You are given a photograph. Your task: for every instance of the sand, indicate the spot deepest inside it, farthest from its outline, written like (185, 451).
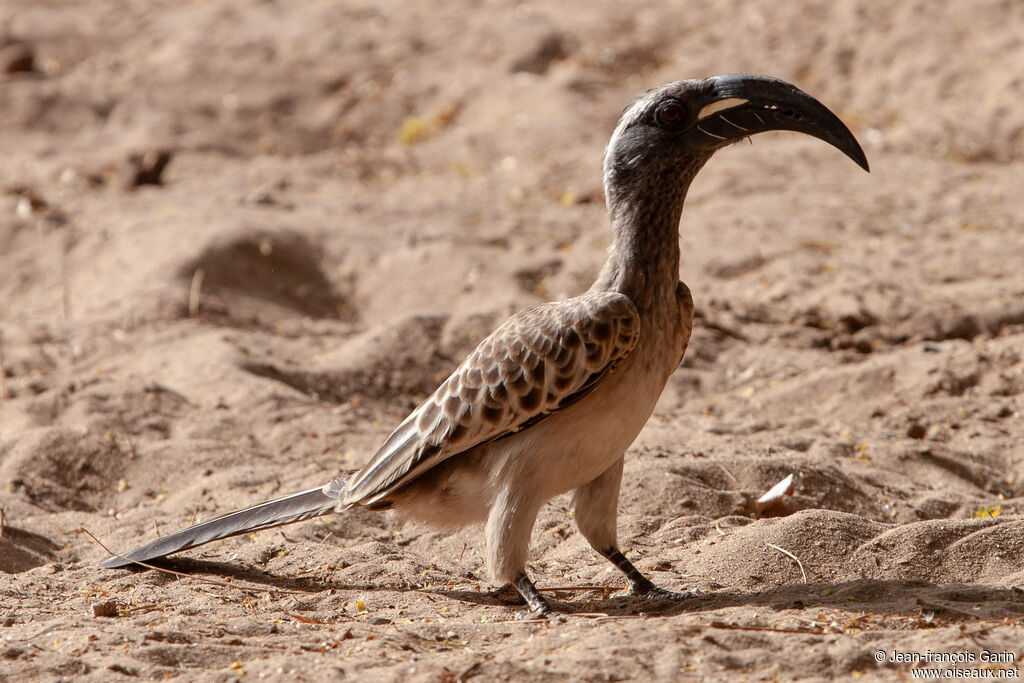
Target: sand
(240, 241)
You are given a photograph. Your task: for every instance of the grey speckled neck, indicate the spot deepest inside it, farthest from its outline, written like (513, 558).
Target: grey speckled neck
(645, 203)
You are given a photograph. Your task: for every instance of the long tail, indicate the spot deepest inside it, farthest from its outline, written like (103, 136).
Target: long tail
(293, 508)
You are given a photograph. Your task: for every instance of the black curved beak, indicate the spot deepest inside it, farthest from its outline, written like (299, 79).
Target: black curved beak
(740, 105)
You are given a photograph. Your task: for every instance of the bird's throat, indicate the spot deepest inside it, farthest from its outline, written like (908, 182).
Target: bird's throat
(643, 261)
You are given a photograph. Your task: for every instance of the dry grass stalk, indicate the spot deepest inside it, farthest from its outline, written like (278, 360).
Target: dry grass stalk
(127, 434)
(193, 292)
(3, 370)
(789, 554)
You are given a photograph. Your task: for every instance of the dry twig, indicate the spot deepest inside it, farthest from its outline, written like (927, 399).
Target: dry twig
(3, 370)
(193, 292)
(127, 434)
(593, 587)
(764, 629)
(789, 554)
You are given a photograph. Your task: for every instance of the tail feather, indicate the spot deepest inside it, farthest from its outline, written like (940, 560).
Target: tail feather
(294, 508)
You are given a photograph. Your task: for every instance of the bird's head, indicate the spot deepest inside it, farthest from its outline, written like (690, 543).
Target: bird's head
(667, 134)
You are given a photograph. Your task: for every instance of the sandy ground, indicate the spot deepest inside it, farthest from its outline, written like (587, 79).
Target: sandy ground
(352, 194)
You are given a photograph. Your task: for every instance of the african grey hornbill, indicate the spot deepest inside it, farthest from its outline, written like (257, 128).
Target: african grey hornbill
(551, 400)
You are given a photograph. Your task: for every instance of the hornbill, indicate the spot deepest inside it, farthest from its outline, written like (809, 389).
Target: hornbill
(550, 401)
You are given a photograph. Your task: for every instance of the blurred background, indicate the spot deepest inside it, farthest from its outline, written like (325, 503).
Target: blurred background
(366, 119)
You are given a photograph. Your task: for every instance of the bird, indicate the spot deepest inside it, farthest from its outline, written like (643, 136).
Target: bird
(551, 400)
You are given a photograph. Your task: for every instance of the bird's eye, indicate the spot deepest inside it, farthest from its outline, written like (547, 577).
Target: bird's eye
(670, 114)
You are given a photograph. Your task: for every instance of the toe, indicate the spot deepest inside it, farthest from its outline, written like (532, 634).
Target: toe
(662, 594)
(533, 615)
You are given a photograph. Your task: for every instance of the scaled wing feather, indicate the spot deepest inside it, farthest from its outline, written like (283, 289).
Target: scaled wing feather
(537, 362)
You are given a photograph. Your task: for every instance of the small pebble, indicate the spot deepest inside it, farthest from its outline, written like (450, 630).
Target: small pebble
(916, 430)
(17, 58)
(146, 168)
(105, 609)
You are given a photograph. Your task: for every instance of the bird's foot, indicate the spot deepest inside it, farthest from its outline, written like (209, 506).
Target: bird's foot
(653, 593)
(539, 607)
(533, 615)
(639, 585)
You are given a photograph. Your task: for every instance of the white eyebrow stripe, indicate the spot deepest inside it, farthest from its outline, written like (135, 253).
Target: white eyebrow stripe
(628, 118)
(717, 137)
(720, 105)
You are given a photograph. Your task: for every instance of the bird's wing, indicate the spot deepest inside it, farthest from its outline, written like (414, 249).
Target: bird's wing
(537, 362)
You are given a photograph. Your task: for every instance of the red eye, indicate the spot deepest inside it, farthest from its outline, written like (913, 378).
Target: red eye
(670, 114)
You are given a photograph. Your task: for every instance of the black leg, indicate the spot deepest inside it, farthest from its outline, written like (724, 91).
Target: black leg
(639, 584)
(539, 607)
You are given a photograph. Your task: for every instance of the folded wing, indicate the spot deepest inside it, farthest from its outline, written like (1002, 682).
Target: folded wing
(537, 362)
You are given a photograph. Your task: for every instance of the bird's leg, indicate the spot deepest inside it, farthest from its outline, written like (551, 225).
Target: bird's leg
(508, 544)
(539, 607)
(596, 504)
(639, 584)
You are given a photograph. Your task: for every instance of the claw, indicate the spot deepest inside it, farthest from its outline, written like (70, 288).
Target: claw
(533, 615)
(539, 607)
